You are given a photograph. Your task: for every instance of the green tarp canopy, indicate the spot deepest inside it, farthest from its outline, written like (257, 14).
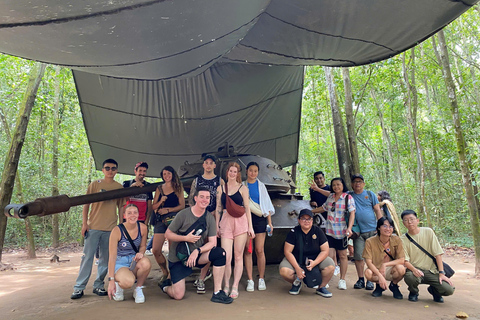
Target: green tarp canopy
(165, 81)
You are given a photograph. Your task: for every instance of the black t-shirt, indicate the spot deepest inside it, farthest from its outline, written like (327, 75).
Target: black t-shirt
(318, 197)
(311, 242)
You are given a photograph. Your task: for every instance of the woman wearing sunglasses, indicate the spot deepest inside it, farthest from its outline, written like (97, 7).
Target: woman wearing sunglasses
(338, 226)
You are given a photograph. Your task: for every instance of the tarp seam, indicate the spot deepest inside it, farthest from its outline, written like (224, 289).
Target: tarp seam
(80, 17)
(192, 119)
(329, 35)
(187, 154)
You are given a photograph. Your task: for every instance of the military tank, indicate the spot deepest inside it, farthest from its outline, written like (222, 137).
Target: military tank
(279, 183)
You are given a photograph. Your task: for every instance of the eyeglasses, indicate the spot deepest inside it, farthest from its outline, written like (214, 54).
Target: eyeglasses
(306, 219)
(386, 226)
(357, 181)
(409, 220)
(108, 168)
(333, 207)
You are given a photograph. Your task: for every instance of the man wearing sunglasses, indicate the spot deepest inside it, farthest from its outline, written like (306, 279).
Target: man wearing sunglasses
(98, 219)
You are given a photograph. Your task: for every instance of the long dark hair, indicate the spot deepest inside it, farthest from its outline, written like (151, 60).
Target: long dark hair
(176, 183)
(384, 195)
(345, 189)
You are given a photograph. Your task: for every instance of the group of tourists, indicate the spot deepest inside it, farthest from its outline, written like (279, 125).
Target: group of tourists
(371, 224)
(239, 213)
(217, 208)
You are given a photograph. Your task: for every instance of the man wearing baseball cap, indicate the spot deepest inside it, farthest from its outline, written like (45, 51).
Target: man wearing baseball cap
(367, 212)
(210, 181)
(306, 257)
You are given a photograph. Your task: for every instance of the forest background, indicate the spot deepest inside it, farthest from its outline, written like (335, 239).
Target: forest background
(399, 112)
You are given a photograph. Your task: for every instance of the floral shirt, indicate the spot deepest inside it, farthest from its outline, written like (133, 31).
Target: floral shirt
(336, 224)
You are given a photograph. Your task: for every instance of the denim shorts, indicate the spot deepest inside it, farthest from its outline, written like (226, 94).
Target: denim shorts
(123, 261)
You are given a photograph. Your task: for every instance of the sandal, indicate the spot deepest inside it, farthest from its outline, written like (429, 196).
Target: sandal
(234, 293)
(226, 290)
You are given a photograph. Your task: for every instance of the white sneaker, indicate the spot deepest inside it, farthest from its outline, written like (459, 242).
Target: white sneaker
(138, 295)
(261, 284)
(118, 296)
(342, 284)
(337, 271)
(148, 253)
(250, 286)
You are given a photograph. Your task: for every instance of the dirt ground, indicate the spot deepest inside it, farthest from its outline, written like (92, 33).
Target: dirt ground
(39, 289)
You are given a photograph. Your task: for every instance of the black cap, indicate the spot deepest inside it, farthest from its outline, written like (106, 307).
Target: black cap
(306, 212)
(209, 156)
(357, 175)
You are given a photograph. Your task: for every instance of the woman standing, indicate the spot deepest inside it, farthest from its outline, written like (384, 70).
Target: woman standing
(388, 208)
(169, 199)
(126, 262)
(234, 224)
(340, 208)
(262, 210)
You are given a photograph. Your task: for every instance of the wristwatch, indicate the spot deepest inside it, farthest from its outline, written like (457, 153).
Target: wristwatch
(199, 251)
(442, 272)
(111, 278)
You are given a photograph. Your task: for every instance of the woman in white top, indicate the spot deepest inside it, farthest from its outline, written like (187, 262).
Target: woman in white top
(262, 210)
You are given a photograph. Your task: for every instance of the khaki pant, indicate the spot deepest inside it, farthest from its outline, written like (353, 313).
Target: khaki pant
(430, 278)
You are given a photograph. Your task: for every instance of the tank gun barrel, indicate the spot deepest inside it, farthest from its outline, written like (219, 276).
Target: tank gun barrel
(62, 203)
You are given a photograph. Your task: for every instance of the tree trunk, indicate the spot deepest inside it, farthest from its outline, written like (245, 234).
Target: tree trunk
(350, 121)
(461, 150)
(28, 226)
(13, 156)
(412, 106)
(56, 128)
(340, 139)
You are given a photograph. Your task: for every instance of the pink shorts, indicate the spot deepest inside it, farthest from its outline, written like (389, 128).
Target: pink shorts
(231, 227)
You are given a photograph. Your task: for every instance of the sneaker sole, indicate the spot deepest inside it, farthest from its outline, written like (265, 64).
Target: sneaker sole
(201, 291)
(222, 301)
(324, 295)
(262, 289)
(250, 290)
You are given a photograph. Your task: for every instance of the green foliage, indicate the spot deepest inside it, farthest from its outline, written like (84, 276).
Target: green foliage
(380, 89)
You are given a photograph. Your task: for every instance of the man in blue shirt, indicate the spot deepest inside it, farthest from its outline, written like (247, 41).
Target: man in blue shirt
(367, 212)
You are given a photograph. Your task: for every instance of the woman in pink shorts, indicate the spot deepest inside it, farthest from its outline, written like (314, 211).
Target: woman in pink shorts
(232, 230)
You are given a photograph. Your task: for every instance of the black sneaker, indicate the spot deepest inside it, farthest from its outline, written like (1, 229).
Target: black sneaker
(296, 287)
(77, 294)
(360, 284)
(413, 297)
(436, 297)
(221, 297)
(396, 291)
(164, 284)
(100, 291)
(378, 291)
(369, 285)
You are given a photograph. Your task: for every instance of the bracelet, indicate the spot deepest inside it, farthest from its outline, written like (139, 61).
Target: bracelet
(442, 272)
(111, 278)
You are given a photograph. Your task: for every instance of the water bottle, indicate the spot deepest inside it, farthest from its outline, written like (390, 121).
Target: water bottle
(269, 230)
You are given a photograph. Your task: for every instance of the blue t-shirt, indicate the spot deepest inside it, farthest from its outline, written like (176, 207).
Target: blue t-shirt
(364, 214)
(254, 193)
